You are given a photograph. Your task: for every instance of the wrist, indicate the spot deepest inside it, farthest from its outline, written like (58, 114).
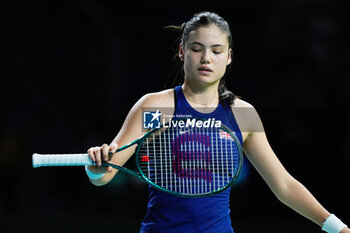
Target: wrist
(93, 175)
(332, 224)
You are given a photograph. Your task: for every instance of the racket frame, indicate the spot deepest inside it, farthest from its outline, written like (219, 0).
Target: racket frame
(139, 174)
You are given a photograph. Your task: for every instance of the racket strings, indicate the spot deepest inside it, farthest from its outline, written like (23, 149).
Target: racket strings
(190, 160)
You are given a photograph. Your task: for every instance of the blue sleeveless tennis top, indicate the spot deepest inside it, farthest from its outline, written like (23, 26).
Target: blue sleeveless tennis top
(170, 214)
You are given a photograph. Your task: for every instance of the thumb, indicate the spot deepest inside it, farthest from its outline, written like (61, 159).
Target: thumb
(109, 169)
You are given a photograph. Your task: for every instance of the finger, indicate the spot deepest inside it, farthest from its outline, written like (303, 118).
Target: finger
(113, 147)
(105, 153)
(91, 154)
(97, 152)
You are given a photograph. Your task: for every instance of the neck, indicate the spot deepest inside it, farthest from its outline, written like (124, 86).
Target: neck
(201, 96)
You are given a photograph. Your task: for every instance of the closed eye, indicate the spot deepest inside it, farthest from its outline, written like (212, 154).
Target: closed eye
(196, 50)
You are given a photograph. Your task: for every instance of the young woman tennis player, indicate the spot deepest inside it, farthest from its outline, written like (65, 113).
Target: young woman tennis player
(205, 51)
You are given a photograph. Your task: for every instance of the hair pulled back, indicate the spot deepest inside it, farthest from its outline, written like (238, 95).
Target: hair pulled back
(198, 20)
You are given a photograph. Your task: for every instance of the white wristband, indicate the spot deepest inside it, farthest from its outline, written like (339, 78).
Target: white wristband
(333, 224)
(93, 175)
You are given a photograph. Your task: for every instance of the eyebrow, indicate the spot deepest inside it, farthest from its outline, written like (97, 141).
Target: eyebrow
(215, 45)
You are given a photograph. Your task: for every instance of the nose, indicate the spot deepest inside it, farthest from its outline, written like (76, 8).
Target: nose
(205, 57)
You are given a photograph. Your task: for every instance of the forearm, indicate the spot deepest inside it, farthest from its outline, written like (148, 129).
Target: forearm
(298, 198)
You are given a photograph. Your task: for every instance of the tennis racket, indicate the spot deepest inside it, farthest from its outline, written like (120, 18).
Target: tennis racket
(185, 157)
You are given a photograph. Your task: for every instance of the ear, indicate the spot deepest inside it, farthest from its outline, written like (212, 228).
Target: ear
(229, 59)
(181, 52)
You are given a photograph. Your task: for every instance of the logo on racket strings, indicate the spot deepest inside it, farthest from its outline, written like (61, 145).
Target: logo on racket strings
(192, 162)
(145, 158)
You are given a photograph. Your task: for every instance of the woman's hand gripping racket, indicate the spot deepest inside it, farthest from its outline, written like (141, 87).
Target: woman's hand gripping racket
(186, 157)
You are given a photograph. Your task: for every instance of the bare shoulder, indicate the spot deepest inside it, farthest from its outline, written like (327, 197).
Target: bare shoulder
(132, 127)
(246, 116)
(239, 103)
(161, 99)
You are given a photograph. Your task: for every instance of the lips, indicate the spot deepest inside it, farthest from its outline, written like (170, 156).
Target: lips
(205, 69)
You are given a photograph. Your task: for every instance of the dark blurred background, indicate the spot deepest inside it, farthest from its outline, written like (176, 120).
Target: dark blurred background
(71, 71)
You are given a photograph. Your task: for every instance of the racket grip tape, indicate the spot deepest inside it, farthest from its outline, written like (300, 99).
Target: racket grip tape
(47, 160)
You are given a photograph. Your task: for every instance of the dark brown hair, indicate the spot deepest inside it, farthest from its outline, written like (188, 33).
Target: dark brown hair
(198, 20)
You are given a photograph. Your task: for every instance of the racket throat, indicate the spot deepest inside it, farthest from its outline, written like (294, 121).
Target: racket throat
(119, 168)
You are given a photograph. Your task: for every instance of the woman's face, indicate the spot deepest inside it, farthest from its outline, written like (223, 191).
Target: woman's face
(206, 54)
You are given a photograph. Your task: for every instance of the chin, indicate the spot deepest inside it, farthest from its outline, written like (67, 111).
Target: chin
(205, 81)
(202, 79)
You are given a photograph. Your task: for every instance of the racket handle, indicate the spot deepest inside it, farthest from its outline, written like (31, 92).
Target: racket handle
(45, 160)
